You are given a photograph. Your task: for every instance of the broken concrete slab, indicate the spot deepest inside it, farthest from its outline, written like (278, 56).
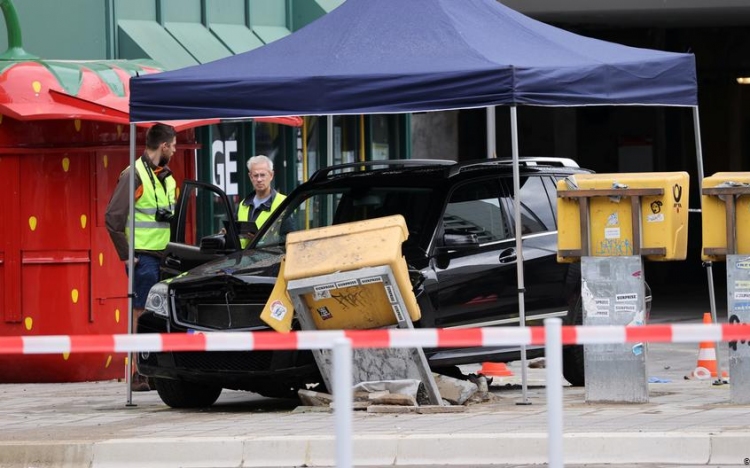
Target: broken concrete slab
(311, 398)
(391, 409)
(437, 409)
(378, 394)
(312, 409)
(403, 386)
(453, 390)
(394, 399)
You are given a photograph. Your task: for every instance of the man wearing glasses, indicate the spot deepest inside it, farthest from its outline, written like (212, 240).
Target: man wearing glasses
(257, 207)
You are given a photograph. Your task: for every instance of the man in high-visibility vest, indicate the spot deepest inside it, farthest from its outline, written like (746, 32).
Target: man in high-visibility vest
(155, 191)
(259, 205)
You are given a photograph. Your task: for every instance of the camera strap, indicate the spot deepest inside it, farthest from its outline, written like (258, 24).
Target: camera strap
(150, 172)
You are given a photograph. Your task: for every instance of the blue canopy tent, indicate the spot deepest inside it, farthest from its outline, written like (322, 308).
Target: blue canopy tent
(394, 56)
(390, 56)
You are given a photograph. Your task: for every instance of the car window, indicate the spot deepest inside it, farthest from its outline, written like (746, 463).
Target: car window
(537, 204)
(324, 208)
(474, 208)
(203, 212)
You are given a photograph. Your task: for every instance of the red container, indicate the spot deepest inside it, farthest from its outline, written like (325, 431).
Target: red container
(64, 140)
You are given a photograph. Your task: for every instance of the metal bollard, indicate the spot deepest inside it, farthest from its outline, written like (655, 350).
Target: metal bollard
(342, 401)
(612, 292)
(553, 361)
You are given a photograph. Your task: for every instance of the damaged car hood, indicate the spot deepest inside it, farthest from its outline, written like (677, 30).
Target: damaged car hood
(253, 262)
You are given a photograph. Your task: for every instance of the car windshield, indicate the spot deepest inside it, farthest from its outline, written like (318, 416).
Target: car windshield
(325, 208)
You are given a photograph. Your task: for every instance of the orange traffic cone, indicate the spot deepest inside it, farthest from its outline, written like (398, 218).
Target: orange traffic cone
(495, 369)
(706, 367)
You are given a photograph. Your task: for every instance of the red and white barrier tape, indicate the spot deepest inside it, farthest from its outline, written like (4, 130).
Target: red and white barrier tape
(383, 338)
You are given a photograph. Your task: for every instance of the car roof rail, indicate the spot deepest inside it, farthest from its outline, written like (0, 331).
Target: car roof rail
(545, 161)
(526, 161)
(364, 166)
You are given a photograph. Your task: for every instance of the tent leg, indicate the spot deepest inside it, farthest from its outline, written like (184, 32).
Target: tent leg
(131, 256)
(491, 133)
(709, 265)
(519, 244)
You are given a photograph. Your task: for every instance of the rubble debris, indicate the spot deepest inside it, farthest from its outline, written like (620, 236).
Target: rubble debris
(391, 409)
(435, 409)
(538, 363)
(453, 390)
(398, 399)
(311, 398)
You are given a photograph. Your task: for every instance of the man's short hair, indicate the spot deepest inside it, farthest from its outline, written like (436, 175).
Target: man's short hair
(158, 134)
(259, 159)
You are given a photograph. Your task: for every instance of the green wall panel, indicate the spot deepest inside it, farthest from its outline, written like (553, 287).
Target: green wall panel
(305, 12)
(68, 30)
(237, 38)
(147, 39)
(188, 11)
(227, 19)
(226, 11)
(268, 13)
(198, 40)
(136, 9)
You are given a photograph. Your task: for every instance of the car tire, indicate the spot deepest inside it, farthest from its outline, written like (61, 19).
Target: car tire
(181, 394)
(572, 356)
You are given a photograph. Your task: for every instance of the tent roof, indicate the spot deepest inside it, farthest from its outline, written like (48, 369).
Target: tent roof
(418, 55)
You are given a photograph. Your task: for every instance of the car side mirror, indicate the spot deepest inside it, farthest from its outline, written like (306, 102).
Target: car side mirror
(213, 244)
(459, 241)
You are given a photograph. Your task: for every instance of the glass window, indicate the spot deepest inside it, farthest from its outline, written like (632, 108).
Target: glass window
(537, 201)
(475, 209)
(202, 213)
(325, 208)
(380, 137)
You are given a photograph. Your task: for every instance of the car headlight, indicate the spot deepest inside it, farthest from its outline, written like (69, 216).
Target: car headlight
(156, 301)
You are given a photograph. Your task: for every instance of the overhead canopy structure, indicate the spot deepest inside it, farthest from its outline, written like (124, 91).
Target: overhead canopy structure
(393, 56)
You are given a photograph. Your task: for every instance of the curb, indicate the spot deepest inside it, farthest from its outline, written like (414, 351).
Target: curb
(444, 449)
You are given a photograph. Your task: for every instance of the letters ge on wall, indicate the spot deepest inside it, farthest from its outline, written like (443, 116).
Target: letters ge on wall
(224, 163)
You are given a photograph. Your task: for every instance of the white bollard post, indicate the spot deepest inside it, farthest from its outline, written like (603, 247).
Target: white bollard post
(553, 363)
(342, 401)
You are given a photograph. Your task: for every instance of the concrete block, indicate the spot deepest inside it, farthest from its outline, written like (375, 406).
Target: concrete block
(311, 398)
(394, 399)
(453, 390)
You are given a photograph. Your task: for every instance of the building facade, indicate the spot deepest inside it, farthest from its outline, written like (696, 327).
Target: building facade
(179, 33)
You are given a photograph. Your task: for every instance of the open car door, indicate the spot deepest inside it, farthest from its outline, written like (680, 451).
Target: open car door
(204, 228)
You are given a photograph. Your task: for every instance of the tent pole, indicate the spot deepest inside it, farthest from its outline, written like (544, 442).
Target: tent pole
(519, 243)
(329, 143)
(491, 133)
(709, 265)
(131, 256)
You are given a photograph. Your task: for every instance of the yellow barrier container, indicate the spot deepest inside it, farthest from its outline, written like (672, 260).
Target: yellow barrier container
(364, 303)
(714, 217)
(663, 217)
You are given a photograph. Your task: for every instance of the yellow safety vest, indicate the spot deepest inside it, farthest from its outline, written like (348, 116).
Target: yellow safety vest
(243, 214)
(149, 233)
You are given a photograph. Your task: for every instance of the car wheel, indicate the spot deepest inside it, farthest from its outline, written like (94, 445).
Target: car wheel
(573, 367)
(181, 394)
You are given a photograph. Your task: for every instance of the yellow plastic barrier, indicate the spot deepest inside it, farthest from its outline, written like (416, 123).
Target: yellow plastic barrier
(663, 221)
(361, 303)
(714, 217)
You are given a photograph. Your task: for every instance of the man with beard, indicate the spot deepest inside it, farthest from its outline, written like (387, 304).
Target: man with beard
(155, 192)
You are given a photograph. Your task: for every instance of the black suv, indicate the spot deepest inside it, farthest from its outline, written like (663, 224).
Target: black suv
(461, 253)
